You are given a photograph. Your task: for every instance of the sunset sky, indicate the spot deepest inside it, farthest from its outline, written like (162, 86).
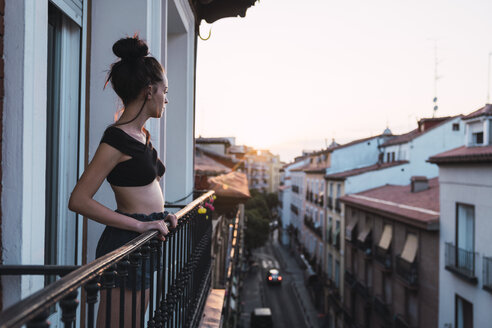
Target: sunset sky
(291, 74)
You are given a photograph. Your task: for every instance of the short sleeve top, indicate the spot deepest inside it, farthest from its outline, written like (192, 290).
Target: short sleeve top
(141, 169)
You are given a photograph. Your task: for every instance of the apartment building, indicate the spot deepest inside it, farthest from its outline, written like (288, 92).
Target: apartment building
(392, 238)
(465, 259)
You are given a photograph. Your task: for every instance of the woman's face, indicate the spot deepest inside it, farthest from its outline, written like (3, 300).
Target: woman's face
(159, 98)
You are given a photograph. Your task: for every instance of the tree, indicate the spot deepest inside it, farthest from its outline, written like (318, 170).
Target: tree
(257, 230)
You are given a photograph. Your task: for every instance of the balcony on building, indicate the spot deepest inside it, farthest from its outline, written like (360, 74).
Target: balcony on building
(364, 241)
(406, 262)
(316, 229)
(401, 322)
(487, 273)
(350, 279)
(362, 290)
(351, 232)
(381, 307)
(461, 262)
(336, 239)
(382, 253)
(338, 205)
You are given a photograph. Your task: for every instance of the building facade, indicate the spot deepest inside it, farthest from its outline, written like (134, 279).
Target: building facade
(392, 238)
(465, 265)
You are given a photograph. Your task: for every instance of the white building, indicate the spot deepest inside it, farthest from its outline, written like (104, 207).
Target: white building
(465, 265)
(51, 130)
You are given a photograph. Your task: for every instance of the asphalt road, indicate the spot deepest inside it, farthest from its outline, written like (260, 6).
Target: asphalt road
(282, 299)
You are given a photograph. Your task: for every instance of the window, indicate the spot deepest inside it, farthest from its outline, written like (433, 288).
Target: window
(62, 137)
(477, 138)
(337, 273)
(392, 156)
(331, 189)
(388, 157)
(456, 126)
(465, 234)
(463, 313)
(330, 265)
(339, 190)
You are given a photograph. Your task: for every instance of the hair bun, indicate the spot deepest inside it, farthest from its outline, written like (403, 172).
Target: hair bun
(130, 48)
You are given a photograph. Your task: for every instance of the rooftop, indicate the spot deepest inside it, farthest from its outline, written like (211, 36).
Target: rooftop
(464, 154)
(420, 209)
(484, 111)
(205, 164)
(379, 166)
(424, 125)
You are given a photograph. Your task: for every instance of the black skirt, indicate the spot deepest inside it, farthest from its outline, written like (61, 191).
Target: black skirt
(113, 238)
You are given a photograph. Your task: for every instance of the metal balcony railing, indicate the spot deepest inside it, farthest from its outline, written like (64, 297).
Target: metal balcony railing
(350, 279)
(175, 299)
(294, 209)
(401, 322)
(487, 273)
(338, 205)
(461, 262)
(383, 257)
(336, 239)
(408, 272)
(381, 307)
(308, 222)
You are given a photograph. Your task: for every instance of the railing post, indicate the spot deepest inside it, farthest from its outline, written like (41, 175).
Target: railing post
(134, 263)
(92, 288)
(145, 260)
(153, 251)
(69, 308)
(122, 269)
(108, 285)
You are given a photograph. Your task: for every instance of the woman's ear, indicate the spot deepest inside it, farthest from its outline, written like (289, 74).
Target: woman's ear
(148, 92)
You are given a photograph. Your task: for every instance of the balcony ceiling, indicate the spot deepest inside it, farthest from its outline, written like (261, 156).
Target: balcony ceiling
(213, 10)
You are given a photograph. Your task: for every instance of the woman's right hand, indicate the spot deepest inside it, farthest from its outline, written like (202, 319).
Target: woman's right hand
(159, 225)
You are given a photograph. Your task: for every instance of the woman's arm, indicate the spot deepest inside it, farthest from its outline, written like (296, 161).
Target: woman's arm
(82, 202)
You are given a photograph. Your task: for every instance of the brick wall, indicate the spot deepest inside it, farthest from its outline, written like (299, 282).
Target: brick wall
(2, 29)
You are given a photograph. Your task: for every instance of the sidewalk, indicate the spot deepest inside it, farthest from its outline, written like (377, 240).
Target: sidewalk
(288, 261)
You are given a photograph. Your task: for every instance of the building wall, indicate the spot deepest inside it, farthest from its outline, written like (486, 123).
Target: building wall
(357, 155)
(419, 305)
(468, 184)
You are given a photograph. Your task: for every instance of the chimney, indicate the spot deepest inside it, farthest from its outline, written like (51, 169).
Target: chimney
(419, 183)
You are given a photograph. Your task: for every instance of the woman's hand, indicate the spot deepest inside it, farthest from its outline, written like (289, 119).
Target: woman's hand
(159, 225)
(173, 219)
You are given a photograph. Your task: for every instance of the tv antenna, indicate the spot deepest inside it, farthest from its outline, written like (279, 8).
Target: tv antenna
(488, 79)
(436, 78)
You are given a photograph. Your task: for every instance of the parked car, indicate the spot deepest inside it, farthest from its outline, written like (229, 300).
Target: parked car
(273, 277)
(261, 318)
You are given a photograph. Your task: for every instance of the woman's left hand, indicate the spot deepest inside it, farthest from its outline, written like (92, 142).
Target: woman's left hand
(172, 219)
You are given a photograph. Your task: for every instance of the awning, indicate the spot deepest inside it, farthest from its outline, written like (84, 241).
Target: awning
(385, 240)
(410, 248)
(350, 229)
(365, 233)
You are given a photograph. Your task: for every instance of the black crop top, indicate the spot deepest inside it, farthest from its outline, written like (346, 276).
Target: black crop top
(141, 169)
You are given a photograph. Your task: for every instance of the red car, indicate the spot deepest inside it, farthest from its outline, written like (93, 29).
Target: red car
(274, 277)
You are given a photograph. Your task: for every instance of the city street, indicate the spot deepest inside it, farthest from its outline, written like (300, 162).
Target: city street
(289, 302)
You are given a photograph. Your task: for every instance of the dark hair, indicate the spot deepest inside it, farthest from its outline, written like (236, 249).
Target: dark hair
(135, 70)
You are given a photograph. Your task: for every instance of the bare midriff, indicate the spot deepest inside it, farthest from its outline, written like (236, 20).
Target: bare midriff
(142, 199)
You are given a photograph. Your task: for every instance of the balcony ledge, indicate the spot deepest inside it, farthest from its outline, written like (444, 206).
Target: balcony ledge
(213, 309)
(471, 279)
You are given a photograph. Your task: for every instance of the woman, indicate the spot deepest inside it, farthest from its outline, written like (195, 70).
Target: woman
(126, 158)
